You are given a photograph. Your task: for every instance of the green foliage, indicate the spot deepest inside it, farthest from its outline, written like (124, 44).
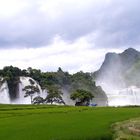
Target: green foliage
(11, 72)
(81, 79)
(48, 79)
(64, 80)
(83, 97)
(60, 79)
(38, 100)
(35, 74)
(54, 95)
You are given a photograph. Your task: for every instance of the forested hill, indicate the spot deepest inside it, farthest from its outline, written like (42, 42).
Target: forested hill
(59, 79)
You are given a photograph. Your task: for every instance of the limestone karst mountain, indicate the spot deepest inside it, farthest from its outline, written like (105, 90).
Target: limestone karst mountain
(118, 70)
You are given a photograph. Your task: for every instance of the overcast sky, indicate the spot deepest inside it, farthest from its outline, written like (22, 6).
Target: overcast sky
(72, 34)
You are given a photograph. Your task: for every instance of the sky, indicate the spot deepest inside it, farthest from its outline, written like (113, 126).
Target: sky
(72, 34)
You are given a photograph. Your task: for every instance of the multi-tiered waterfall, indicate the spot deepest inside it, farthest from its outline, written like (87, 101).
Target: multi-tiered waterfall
(25, 81)
(124, 97)
(20, 99)
(121, 97)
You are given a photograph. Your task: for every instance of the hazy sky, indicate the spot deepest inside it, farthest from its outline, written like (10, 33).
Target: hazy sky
(72, 34)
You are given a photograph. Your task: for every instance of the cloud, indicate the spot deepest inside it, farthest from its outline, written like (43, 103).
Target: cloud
(10, 9)
(72, 57)
(35, 23)
(74, 35)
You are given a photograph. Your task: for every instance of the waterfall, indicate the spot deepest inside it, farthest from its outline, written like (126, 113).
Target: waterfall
(120, 96)
(25, 81)
(4, 94)
(116, 97)
(124, 97)
(20, 99)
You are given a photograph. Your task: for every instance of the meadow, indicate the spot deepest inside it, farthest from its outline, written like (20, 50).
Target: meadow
(44, 122)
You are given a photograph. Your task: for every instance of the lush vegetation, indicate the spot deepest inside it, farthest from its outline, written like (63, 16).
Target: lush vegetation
(34, 122)
(54, 95)
(82, 97)
(54, 82)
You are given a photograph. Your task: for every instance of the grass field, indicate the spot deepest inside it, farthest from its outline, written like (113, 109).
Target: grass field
(127, 130)
(27, 122)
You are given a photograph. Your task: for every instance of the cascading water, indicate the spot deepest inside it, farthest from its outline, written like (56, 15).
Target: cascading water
(25, 81)
(121, 97)
(124, 97)
(4, 94)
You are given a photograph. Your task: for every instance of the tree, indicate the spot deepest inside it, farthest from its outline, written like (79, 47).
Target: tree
(54, 95)
(30, 90)
(35, 74)
(38, 100)
(82, 97)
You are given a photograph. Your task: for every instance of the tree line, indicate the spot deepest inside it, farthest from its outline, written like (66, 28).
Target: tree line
(80, 85)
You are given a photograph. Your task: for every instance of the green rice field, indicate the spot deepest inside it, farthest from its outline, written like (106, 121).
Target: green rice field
(44, 122)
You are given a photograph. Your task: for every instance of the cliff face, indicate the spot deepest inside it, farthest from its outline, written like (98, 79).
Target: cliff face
(117, 69)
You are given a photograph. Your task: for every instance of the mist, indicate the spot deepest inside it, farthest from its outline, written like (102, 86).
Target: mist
(115, 77)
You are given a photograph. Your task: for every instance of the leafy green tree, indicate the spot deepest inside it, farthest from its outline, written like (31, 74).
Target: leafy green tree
(62, 77)
(84, 80)
(35, 74)
(38, 100)
(54, 95)
(82, 97)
